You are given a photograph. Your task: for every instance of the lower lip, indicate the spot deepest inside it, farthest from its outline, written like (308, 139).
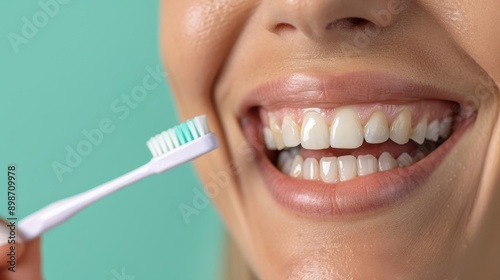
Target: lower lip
(362, 194)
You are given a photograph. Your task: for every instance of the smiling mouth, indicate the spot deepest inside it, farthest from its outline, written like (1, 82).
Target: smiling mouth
(337, 145)
(351, 143)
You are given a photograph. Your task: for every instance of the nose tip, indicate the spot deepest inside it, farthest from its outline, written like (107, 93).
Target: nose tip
(318, 19)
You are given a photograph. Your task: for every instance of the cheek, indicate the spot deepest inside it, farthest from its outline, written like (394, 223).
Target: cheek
(472, 25)
(196, 38)
(182, 41)
(482, 39)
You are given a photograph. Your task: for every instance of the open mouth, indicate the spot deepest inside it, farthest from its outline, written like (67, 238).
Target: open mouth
(337, 145)
(324, 157)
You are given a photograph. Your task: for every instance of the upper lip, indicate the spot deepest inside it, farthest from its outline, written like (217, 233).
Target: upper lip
(342, 89)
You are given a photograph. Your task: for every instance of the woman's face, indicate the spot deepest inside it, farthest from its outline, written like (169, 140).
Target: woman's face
(359, 139)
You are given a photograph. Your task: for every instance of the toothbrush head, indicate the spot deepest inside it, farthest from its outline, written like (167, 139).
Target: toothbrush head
(178, 136)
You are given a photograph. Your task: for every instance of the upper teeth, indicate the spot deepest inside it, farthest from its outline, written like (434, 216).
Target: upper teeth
(291, 132)
(401, 128)
(347, 132)
(314, 132)
(377, 129)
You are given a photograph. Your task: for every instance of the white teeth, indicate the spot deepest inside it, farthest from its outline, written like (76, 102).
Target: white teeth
(285, 161)
(328, 169)
(276, 132)
(367, 165)
(433, 131)
(347, 167)
(344, 168)
(346, 131)
(445, 127)
(314, 132)
(401, 128)
(386, 162)
(269, 139)
(310, 169)
(405, 160)
(296, 170)
(291, 132)
(419, 132)
(377, 129)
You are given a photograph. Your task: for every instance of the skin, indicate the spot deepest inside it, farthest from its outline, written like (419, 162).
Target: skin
(216, 51)
(28, 260)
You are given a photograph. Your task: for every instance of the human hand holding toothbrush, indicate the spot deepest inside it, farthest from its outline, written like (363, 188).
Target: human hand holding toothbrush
(27, 257)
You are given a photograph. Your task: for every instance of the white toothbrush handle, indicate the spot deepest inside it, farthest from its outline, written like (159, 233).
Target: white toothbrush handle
(56, 213)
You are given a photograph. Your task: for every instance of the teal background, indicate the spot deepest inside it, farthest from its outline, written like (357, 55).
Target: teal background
(63, 81)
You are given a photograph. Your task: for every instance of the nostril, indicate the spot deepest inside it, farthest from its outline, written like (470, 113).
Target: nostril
(349, 23)
(282, 27)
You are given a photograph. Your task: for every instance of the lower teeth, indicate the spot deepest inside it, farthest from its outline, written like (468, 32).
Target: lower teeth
(343, 168)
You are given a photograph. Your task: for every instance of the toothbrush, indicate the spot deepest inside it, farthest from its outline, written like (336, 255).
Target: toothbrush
(170, 148)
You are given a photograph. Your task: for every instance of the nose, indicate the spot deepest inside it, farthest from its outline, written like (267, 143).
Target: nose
(319, 19)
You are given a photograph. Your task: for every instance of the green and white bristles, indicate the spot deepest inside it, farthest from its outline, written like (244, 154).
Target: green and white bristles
(178, 135)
